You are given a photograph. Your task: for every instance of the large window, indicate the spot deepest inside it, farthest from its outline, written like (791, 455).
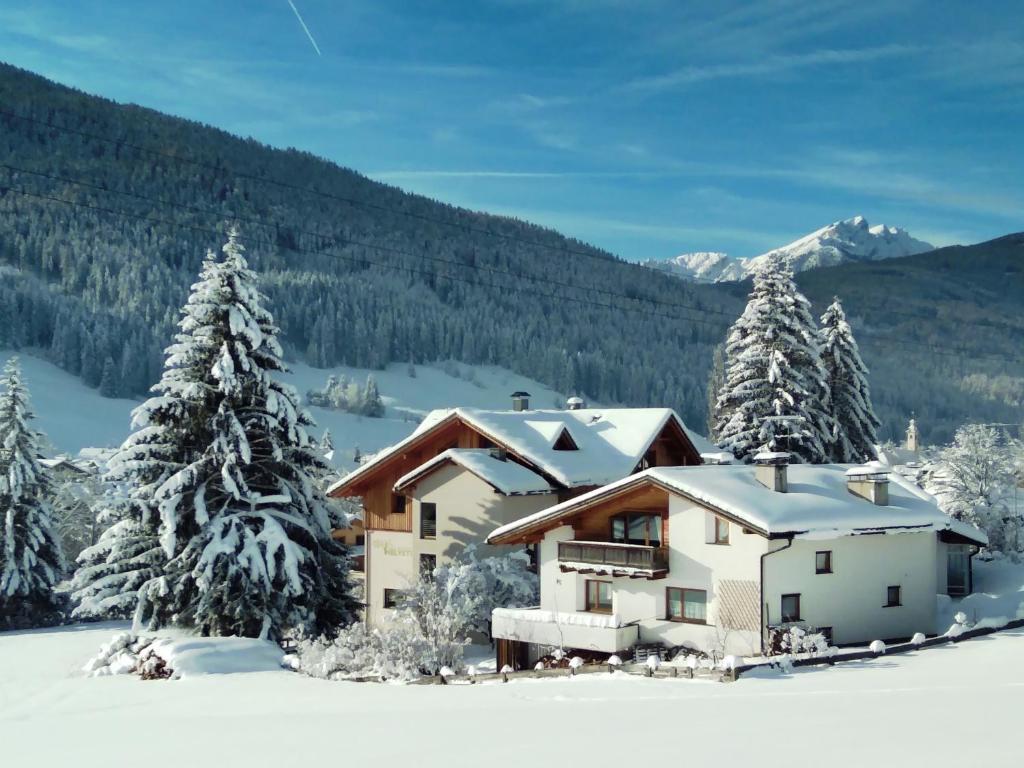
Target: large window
(428, 520)
(823, 561)
(689, 605)
(958, 565)
(637, 528)
(790, 608)
(599, 596)
(893, 595)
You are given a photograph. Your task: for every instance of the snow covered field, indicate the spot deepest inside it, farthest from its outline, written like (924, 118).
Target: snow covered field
(74, 416)
(946, 706)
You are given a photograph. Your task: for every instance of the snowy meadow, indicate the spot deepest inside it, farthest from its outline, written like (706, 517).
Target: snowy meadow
(885, 712)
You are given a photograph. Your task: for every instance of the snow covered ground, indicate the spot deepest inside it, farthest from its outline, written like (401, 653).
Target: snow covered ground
(75, 416)
(946, 706)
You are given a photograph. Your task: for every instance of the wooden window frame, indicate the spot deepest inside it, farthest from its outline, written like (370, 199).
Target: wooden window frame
(391, 598)
(717, 539)
(782, 609)
(626, 515)
(828, 567)
(590, 608)
(888, 596)
(681, 619)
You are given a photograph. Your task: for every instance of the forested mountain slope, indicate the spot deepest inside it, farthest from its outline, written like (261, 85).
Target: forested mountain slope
(97, 289)
(361, 274)
(943, 332)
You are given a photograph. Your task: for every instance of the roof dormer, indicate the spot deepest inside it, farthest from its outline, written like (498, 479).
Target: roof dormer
(564, 442)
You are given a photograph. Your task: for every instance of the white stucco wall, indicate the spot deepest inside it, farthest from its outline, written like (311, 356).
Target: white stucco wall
(851, 600)
(693, 563)
(467, 510)
(389, 564)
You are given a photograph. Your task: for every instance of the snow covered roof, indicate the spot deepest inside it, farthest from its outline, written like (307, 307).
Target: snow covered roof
(505, 476)
(610, 441)
(817, 505)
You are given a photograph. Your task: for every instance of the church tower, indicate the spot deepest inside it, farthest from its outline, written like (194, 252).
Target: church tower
(912, 436)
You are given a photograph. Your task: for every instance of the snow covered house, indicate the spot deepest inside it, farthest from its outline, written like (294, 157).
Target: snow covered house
(715, 557)
(465, 471)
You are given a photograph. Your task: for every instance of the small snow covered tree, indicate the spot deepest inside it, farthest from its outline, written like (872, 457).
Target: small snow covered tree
(854, 422)
(775, 396)
(370, 401)
(31, 558)
(244, 527)
(974, 479)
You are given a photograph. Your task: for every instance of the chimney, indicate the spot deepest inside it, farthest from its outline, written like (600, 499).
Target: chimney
(870, 482)
(575, 404)
(770, 470)
(520, 401)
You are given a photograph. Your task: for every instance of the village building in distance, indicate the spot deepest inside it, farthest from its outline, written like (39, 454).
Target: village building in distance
(466, 471)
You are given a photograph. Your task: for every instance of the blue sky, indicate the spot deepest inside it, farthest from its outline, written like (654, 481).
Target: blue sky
(650, 128)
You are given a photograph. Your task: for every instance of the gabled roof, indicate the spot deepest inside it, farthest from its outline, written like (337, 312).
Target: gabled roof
(505, 476)
(611, 441)
(817, 504)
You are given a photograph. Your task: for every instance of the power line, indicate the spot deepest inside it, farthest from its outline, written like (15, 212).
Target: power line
(953, 352)
(225, 173)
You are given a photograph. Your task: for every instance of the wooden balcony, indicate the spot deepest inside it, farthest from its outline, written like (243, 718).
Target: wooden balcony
(613, 558)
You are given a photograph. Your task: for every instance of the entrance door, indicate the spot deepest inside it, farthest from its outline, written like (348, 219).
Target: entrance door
(957, 569)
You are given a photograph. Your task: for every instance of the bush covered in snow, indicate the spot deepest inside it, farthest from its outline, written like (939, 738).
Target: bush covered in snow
(359, 652)
(793, 640)
(340, 394)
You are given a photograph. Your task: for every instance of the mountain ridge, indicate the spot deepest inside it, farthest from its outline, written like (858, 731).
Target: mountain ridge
(852, 239)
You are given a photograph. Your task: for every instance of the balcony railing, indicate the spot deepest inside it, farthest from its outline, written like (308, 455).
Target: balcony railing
(613, 556)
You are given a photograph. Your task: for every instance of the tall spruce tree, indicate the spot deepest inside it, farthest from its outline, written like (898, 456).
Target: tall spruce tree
(854, 423)
(31, 558)
(775, 396)
(244, 527)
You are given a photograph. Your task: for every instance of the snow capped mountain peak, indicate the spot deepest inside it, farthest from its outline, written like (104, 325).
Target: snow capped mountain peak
(852, 239)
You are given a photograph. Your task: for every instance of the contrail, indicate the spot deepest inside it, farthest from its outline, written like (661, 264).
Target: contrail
(308, 33)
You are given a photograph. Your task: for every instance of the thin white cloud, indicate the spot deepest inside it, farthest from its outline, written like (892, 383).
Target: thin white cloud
(768, 65)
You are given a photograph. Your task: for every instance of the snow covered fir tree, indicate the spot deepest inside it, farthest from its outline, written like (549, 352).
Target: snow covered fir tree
(775, 395)
(854, 424)
(222, 469)
(31, 558)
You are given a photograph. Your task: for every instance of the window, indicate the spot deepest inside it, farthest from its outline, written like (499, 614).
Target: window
(427, 565)
(823, 561)
(826, 632)
(391, 598)
(599, 596)
(958, 569)
(397, 504)
(637, 528)
(689, 605)
(790, 608)
(428, 520)
(721, 530)
(361, 540)
(892, 595)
